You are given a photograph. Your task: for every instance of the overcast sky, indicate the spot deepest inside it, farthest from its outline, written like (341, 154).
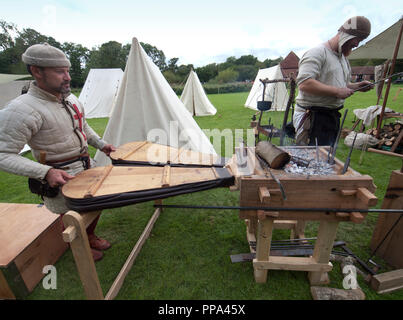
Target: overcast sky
(200, 32)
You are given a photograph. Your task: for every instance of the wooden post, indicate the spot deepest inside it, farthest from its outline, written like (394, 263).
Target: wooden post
(390, 250)
(265, 230)
(82, 252)
(323, 247)
(392, 68)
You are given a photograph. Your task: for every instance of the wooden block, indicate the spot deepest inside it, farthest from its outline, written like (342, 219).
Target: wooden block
(285, 224)
(267, 214)
(367, 197)
(357, 217)
(69, 234)
(348, 192)
(292, 263)
(387, 281)
(264, 195)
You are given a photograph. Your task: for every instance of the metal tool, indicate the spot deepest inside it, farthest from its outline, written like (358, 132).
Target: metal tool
(347, 162)
(266, 165)
(301, 250)
(331, 160)
(362, 263)
(380, 80)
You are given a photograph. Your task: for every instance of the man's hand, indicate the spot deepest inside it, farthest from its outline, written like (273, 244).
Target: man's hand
(365, 85)
(343, 93)
(57, 177)
(108, 149)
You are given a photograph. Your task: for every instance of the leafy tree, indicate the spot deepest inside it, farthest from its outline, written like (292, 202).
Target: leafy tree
(247, 60)
(207, 72)
(246, 72)
(6, 39)
(78, 56)
(109, 55)
(172, 64)
(227, 75)
(156, 55)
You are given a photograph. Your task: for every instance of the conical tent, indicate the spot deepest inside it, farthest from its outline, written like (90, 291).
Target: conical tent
(147, 109)
(275, 92)
(194, 98)
(99, 92)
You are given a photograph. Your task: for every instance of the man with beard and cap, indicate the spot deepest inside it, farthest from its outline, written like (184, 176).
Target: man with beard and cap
(323, 81)
(51, 121)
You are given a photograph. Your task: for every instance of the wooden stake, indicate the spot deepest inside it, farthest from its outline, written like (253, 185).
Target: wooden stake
(392, 68)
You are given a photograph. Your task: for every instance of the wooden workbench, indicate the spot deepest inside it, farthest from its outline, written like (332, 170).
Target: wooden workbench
(258, 189)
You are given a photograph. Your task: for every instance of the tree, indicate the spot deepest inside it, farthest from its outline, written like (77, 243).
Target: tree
(78, 56)
(108, 55)
(157, 56)
(246, 72)
(207, 72)
(227, 75)
(246, 60)
(172, 65)
(6, 39)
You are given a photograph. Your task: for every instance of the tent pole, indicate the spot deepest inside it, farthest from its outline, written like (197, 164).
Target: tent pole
(392, 68)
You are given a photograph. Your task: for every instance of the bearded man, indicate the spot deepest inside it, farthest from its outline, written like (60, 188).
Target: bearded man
(324, 82)
(51, 121)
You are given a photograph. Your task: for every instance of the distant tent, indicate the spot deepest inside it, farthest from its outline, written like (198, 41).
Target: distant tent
(11, 90)
(99, 92)
(4, 77)
(275, 92)
(195, 99)
(381, 46)
(147, 109)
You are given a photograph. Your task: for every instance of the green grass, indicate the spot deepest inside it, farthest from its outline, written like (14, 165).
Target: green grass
(188, 253)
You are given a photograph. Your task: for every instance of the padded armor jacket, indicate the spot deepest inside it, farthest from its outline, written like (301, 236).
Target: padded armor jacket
(44, 123)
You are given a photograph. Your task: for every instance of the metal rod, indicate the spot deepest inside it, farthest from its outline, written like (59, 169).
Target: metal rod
(380, 80)
(337, 138)
(347, 162)
(255, 208)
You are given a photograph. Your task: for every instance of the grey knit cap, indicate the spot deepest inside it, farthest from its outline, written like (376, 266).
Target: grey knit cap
(45, 55)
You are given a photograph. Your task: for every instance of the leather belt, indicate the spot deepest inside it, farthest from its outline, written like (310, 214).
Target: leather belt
(84, 157)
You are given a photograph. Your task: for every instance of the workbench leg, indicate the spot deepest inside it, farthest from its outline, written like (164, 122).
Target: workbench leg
(265, 231)
(252, 225)
(298, 232)
(82, 253)
(323, 248)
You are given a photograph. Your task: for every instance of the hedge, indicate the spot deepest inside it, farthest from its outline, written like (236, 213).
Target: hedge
(219, 88)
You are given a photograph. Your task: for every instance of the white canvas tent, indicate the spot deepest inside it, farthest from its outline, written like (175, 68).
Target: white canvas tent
(99, 92)
(275, 92)
(11, 90)
(5, 77)
(147, 109)
(381, 46)
(195, 99)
